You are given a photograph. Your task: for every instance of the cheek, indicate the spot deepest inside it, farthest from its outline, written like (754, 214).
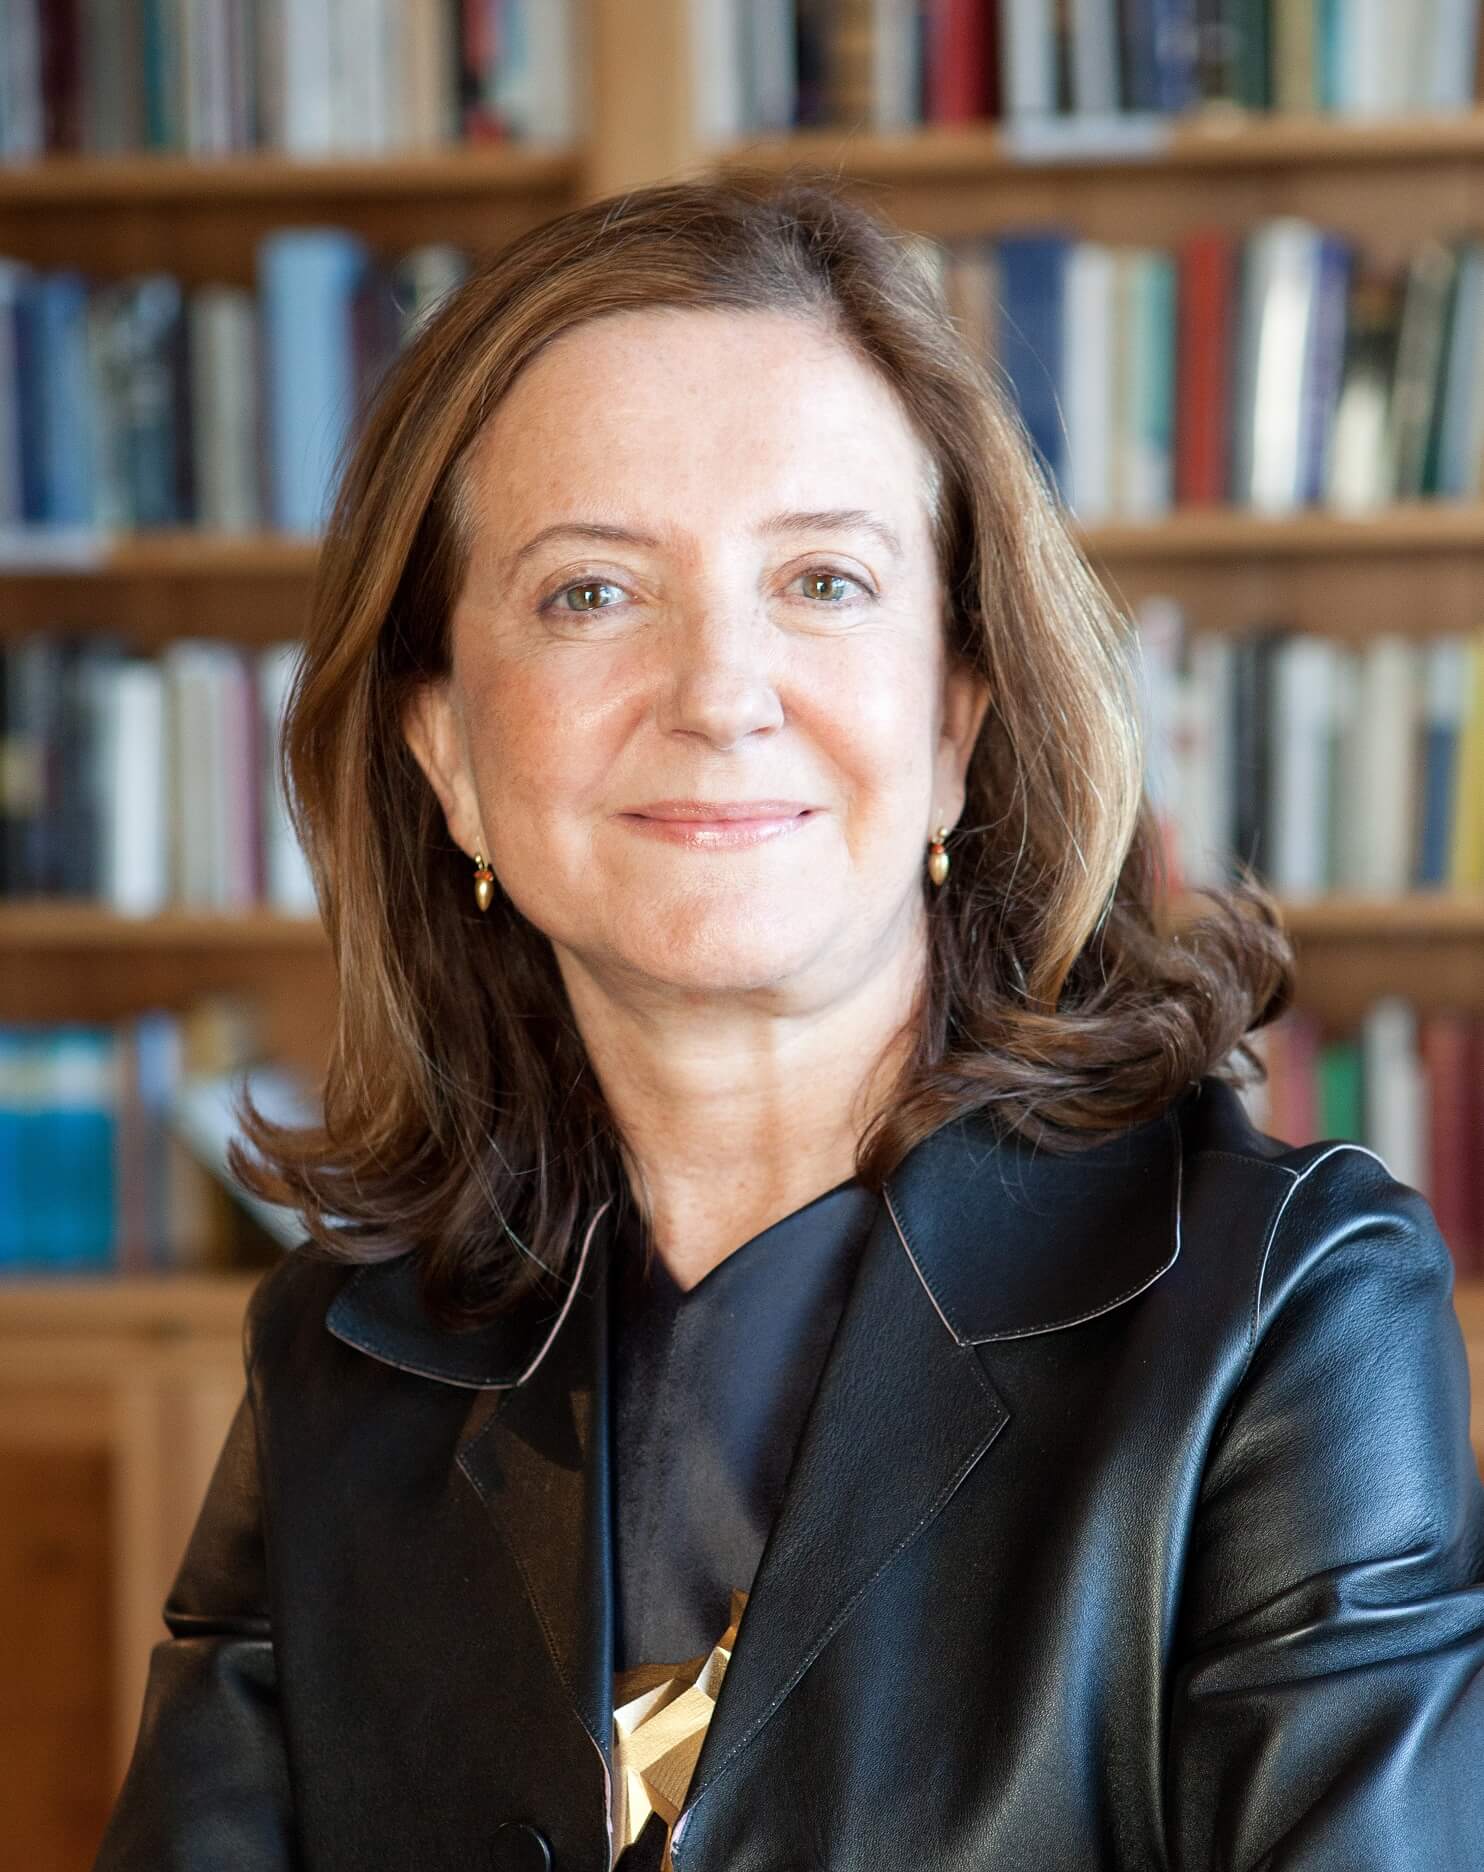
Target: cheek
(537, 751)
(879, 722)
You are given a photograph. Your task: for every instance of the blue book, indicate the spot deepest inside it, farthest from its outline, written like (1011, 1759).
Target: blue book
(34, 1192)
(157, 1055)
(56, 400)
(1033, 271)
(1325, 365)
(12, 1087)
(1161, 55)
(76, 1139)
(308, 279)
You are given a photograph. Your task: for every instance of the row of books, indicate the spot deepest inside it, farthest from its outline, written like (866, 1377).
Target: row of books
(113, 1141)
(1074, 76)
(306, 77)
(138, 403)
(1278, 369)
(1407, 1085)
(1275, 371)
(113, 1136)
(1328, 765)
(143, 782)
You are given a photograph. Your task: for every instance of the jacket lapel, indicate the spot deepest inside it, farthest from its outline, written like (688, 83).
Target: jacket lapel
(978, 1238)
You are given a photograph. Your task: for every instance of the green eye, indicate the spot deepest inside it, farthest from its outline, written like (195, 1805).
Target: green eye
(582, 585)
(828, 576)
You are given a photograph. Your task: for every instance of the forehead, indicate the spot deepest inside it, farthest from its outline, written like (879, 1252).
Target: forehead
(714, 413)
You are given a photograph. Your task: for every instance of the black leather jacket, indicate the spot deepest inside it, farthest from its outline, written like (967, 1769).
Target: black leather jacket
(1134, 1525)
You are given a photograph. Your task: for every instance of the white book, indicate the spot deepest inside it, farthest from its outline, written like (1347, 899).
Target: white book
(188, 728)
(1448, 70)
(897, 78)
(1088, 308)
(1095, 86)
(1299, 800)
(133, 798)
(1394, 1090)
(1277, 317)
(770, 65)
(224, 410)
(1027, 58)
(1157, 647)
(289, 882)
(556, 32)
(716, 71)
(1461, 434)
(1205, 773)
(419, 98)
(1386, 727)
(1368, 85)
(308, 80)
(22, 135)
(357, 64)
(1360, 465)
(239, 768)
(221, 750)
(1348, 830)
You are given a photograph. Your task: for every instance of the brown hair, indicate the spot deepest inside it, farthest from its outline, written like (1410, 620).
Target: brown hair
(461, 1117)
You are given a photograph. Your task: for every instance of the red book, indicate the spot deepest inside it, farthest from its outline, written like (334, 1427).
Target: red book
(1205, 284)
(961, 82)
(1444, 1047)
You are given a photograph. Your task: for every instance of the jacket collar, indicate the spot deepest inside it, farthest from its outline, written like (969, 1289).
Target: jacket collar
(978, 1239)
(1007, 1239)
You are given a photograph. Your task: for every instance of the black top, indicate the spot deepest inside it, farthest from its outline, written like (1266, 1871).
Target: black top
(710, 1390)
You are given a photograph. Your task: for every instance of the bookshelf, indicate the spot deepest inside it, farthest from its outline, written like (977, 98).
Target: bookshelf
(1412, 566)
(127, 1373)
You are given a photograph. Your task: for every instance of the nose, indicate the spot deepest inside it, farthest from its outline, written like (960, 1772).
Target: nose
(720, 664)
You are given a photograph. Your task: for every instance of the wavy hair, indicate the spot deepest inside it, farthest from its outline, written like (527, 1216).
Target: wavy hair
(461, 1118)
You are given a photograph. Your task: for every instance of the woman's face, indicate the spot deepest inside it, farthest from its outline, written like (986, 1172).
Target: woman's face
(701, 570)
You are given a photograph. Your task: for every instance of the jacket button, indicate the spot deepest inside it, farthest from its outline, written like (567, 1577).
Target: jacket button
(520, 1847)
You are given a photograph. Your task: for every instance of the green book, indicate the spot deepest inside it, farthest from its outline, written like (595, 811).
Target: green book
(1341, 1094)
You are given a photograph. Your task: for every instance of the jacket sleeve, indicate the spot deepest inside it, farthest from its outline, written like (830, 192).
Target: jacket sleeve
(207, 1788)
(1327, 1701)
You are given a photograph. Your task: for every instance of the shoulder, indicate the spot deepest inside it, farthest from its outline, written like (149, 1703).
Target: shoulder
(1309, 1215)
(289, 1299)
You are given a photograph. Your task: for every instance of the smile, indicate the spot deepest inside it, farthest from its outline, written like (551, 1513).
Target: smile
(715, 834)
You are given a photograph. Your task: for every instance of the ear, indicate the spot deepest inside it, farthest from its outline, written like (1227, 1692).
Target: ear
(432, 728)
(965, 701)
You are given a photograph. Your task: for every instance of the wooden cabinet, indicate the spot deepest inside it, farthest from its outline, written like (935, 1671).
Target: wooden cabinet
(115, 1399)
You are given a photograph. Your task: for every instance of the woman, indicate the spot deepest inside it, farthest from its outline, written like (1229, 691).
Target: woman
(776, 1146)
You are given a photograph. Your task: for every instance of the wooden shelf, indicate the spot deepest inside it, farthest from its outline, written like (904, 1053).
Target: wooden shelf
(158, 553)
(159, 179)
(1205, 532)
(47, 924)
(1226, 139)
(154, 1306)
(1398, 530)
(44, 924)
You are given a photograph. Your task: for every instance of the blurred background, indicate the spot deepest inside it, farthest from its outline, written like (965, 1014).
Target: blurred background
(1226, 256)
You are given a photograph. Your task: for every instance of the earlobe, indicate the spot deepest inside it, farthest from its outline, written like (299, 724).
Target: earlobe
(968, 696)
(428, 729)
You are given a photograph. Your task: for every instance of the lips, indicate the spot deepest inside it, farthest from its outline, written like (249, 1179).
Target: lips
(700, 812)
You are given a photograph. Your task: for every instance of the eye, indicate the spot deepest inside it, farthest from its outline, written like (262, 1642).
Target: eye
(828, 575)
(581, 585)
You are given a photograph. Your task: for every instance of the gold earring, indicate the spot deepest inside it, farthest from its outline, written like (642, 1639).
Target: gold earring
(484, 882)
(938, 857)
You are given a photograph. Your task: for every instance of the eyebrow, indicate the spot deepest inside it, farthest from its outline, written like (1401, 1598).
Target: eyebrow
(791, 520)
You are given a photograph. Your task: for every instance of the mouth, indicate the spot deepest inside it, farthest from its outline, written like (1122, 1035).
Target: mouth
(721, 834)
